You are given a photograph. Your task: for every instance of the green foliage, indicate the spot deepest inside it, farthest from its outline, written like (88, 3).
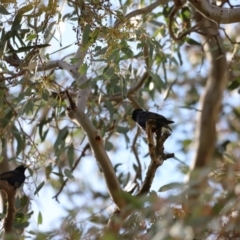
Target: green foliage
(68, 174)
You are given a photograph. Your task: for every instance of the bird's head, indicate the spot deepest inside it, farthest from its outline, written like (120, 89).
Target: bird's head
(135, 113)
(21, 168)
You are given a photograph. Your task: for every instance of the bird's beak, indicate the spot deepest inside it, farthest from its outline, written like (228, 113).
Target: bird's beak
(27, 166)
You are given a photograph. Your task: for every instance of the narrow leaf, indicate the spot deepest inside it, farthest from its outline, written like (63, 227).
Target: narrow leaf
(39, 218)
(192, 41)
(68, 174)
(83, 68)
(170, 186)
(59, 50)
(3, 10)
(61, 138)
(108, 146)
(70, 155)
(39, 187)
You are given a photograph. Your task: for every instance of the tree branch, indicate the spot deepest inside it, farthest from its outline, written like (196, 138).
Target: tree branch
(72, 169)
(96, 142)
(157, 157)
(139, 84)
(134, 149)
(10, 196)
(76, 113)
(71, 69)
(141, 11)
(215, 13)
(210, 102)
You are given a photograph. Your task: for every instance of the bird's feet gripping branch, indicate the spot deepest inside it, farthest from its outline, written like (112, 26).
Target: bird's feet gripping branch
(152, 123)
(9, 182)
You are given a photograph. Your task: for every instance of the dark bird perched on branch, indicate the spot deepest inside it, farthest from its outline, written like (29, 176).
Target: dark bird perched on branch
(158, 121)
(15, 177)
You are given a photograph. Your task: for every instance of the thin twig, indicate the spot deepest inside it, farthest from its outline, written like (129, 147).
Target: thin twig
(134, 102)
(139, 84)
(87, 146)
(29, 138)
(13, 110)
(71, 102)
(139, 170)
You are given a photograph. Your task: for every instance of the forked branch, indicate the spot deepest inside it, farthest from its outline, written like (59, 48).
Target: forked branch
(157, 155)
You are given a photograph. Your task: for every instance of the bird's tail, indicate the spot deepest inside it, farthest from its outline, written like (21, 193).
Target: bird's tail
(166, 126)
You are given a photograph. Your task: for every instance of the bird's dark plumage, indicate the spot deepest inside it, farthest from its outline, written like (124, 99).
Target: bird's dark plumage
(15, 177)
(141, 117)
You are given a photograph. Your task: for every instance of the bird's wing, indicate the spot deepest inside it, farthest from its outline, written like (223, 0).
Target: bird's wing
(6, 175)
(160, 119)
(155, 116)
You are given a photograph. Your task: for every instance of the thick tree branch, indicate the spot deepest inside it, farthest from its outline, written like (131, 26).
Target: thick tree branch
(96, 142)
(215, 13)
(82, 98)
(152, 168)
(80, 55)
(71, 69)
(83, 94)
(76, 113)
(211, 100)
(10, 196)
(210, 104)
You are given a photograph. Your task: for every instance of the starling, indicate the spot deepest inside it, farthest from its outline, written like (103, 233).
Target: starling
(141, 117)
(15, 177)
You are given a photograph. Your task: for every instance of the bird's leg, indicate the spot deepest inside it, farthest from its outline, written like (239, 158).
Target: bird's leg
(159, 150)
(149, 125)
(161, 137)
